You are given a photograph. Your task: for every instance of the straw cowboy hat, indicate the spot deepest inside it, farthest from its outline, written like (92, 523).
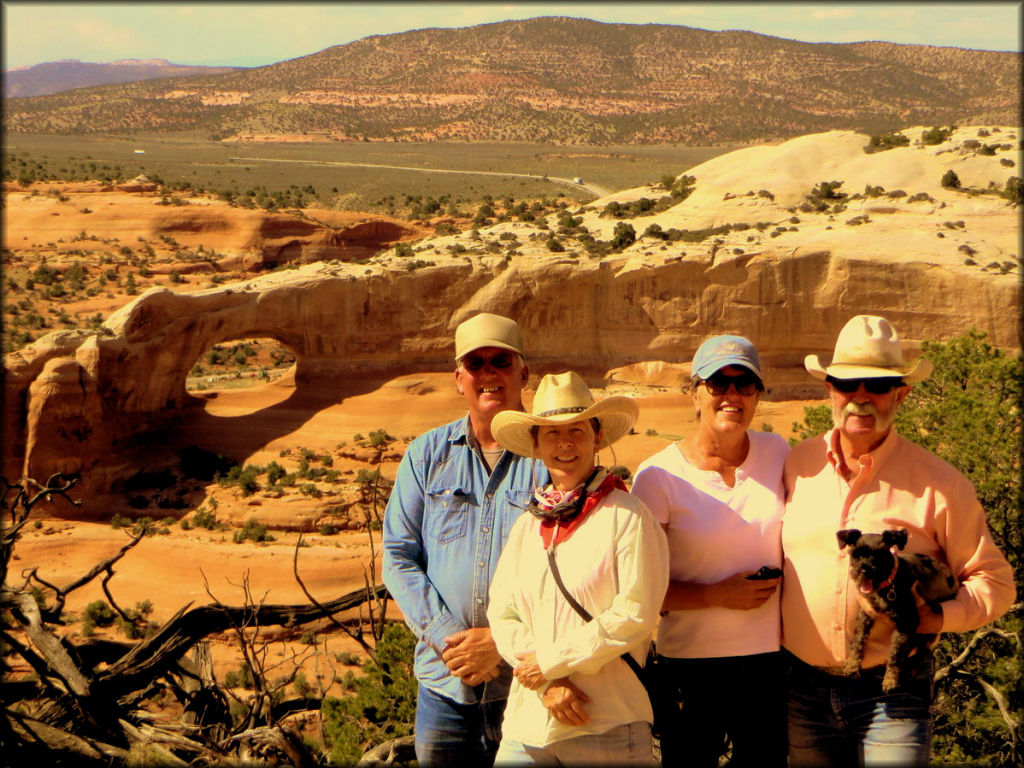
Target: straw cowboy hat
(868, 347)
(562, 398)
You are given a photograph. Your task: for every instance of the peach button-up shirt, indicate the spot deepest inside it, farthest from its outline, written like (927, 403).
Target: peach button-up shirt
(898, 485)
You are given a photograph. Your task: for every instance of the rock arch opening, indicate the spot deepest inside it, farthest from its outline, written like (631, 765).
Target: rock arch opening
(241, 364)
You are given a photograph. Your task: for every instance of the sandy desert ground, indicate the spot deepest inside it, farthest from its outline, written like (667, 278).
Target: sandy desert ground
(174, 569)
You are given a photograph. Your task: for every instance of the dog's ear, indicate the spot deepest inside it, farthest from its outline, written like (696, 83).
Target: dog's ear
(895, 536)
(847, 537)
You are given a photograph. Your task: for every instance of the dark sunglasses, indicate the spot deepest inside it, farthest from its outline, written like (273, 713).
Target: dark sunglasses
(878, 386)
(476, 363)
(746, 384)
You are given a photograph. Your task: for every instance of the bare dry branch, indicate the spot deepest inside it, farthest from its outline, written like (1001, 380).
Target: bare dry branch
(36, 732)
(59, 663)
(357, 636)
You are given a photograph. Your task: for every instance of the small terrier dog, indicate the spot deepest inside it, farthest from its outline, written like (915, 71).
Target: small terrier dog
(887, 582)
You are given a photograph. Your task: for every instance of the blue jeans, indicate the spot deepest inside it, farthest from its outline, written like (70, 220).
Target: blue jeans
(624, 745)
(736, 701)
(848, 722)
(456, 735)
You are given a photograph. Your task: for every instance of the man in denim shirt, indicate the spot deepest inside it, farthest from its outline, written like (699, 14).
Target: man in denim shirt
(455, 499)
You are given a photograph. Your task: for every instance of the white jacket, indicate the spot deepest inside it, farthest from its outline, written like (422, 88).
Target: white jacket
(616, 565)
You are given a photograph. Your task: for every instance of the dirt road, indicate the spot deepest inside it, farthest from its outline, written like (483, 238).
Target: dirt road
(594, 189)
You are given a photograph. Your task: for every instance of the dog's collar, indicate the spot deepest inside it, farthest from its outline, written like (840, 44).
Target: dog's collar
(895, 567)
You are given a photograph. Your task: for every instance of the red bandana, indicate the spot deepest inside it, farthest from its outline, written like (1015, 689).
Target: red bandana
(549, 529)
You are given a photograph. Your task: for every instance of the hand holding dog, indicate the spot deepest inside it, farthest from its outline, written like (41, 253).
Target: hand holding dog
(930, 621)
(565, 702)
(740, 593)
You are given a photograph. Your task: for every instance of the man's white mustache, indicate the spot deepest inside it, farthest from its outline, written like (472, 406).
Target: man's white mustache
(860, 409)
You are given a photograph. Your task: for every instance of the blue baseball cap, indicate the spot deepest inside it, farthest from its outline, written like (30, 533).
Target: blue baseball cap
(719, 351)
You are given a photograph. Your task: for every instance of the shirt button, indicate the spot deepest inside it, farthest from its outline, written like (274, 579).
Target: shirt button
(481, 563)
(485, 529)
(480, 600)
(490, 495)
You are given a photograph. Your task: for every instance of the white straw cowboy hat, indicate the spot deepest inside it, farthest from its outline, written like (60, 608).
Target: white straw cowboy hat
(868, 347)
(562, 398)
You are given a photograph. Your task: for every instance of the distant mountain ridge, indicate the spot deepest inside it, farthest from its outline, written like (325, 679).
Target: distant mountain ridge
(66, 74)
(561, 80)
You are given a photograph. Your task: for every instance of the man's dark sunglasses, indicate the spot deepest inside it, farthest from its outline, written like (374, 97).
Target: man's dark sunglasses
(878, 386)
(476, 363)
(746, 384)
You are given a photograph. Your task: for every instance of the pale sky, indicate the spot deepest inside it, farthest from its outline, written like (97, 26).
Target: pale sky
(253, 34)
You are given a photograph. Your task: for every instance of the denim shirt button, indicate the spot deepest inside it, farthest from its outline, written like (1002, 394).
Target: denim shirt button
(485, 529)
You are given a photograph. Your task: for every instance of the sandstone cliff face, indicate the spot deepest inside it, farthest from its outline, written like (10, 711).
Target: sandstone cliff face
(82, 401)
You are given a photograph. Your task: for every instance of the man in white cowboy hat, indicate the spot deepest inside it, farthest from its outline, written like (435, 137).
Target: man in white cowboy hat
(574, 700)
(456, 495)
(863, 475)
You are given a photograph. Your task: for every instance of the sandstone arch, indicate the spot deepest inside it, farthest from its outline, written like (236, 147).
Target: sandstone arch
(84, 402)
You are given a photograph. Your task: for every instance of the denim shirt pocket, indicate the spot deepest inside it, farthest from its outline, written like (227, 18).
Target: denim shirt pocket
(449, 513)
(515, 504)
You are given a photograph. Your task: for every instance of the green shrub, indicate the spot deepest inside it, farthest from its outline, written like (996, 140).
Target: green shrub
(239, 678)
(310, 489)
(275, 472)
(554, 245)
(950, 180)
(380, 438)
(244, 478)
(936, 135)
(383, 704)
(623, 236)
(253, 530)
(302, 686)
(683, 187)
(367, 477)
(144, 526)
(137, 625)
(884, 142)
(827, 190)
(654, 230)
(99, 614)
(1014, 190)
(347, 658)
(119, 521)
(204, 518)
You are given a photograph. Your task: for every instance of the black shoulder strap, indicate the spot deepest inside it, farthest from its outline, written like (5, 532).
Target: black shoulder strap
(627, 656)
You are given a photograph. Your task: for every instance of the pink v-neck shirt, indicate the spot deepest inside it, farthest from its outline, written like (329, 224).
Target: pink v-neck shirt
(714, 531)
(899, 485)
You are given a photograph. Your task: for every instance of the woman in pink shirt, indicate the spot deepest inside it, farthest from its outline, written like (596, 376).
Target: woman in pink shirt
(719, 496)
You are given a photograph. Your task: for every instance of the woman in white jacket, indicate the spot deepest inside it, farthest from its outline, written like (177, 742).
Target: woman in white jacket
(573, 698)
